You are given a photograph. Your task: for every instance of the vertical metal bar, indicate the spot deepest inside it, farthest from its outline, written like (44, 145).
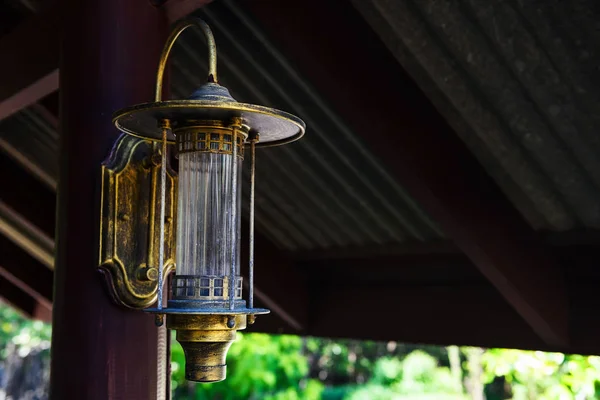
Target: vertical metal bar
(163, 188)
(162, 362)
(251, 235)
(161, 367)
(233, 232)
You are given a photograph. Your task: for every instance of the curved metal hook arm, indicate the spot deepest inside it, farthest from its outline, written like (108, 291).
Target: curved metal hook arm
(212, 52)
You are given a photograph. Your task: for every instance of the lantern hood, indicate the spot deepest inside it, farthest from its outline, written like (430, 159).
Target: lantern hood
(209, 102)
(212, 92)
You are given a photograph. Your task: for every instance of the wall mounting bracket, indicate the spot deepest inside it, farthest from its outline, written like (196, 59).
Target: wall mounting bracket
(129, 221)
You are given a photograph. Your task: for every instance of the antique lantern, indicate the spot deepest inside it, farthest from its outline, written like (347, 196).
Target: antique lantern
(212, 134)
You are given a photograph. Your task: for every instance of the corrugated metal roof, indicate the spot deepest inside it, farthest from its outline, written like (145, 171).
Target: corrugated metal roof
(519, 82)
(324, 191)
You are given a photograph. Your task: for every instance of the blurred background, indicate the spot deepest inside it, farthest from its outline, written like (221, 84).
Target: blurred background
(287, 367)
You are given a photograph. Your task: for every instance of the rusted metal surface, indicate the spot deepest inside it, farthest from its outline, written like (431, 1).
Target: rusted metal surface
(129, 219)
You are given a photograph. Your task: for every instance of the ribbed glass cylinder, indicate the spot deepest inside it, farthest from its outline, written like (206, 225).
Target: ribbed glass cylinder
(204, 217)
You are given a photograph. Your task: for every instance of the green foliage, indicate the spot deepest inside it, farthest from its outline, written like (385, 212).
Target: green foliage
(292, 368)
(338, 392)
(259, 367)
(544, 376)
(422, 374)
(387, 371)
(18, 332)
(377, 392)
(374, 392)
(418, 376)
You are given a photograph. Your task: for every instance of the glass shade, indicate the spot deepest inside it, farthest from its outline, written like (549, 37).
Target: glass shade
(204, 232)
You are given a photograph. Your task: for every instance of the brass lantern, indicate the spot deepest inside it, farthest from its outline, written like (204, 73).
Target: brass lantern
(212, 134)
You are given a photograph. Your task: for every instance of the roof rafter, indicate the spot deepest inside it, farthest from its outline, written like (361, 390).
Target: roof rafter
(279, 286)
(26, 273)
(32, 72)
(17, 298)
(27, 198)
(439, 315)
(354, 71)
(177, 9)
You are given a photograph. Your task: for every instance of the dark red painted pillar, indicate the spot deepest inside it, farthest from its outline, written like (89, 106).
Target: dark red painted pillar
(109, 55)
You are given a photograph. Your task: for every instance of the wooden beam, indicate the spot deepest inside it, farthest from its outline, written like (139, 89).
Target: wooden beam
(17, 298)
(347, 63)
(33, 49)
(43, 109)
(26, 196)
(368, 252)
(109, 53)
(279, 286)
(445, 314)
(439, 315)
(26, 235)
(405, 270)
(561, 243)
(31, 167)
(32, 72)
(177, 9)
(43, 313)
(25, 272)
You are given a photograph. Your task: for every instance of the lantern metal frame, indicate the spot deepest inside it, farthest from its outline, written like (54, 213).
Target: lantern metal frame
(136, 278)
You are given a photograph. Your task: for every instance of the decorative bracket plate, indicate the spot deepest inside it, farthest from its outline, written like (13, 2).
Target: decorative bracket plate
(129, 221)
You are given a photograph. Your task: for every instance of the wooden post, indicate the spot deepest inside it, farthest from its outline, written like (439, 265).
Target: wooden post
(110, 50)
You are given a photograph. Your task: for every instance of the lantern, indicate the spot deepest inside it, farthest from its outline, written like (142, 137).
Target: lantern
(213, 135)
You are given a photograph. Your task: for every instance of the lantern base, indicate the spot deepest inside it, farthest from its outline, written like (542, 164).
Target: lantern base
(191, 310)
(205, 340)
